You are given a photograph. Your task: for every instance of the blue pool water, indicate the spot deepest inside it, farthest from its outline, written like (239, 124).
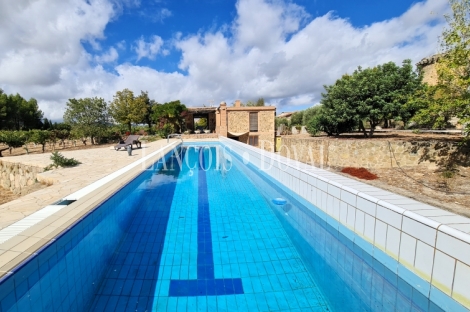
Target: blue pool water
(201, 232)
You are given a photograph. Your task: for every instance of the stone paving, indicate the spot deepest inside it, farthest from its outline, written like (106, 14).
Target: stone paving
(96, 164)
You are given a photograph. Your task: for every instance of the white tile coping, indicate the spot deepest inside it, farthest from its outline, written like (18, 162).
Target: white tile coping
(421, 231)
(34, 218)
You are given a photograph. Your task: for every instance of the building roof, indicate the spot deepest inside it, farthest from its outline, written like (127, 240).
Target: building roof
(252, 108)
(201, 110)
(429, 60)
(285, 114)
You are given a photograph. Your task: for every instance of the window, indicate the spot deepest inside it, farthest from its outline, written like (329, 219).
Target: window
(253, 122)
(253, 140)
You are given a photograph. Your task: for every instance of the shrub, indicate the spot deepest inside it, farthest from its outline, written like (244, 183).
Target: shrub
(58, 160)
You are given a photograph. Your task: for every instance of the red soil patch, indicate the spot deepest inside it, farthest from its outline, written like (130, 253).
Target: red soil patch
(361, 173)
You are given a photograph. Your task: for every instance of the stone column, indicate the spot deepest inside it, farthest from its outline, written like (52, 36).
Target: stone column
(222, 119)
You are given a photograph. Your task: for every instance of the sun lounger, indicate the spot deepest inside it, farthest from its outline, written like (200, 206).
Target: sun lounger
(132, 139)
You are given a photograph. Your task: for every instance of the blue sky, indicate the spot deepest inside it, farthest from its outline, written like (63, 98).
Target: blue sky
(204, 51)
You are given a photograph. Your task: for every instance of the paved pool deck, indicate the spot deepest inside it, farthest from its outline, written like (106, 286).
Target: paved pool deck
(96, 164)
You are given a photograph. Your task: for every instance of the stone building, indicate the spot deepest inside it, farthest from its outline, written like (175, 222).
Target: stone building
(252, 125)
(427, 66)
(193, 114)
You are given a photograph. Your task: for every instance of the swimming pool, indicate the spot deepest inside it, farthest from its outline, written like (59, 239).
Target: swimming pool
(201, 231)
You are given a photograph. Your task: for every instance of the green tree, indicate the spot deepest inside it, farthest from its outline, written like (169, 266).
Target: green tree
(296, 118)
(87, 116)
(201, 123)
(332, 121)
(18, 114)
(3, 108)
(40, 137)
(309, 113)
(46, 124)
(281, 121)
(12, 139)
(127, 109)
(62, 132)
(372, 95)
(144, 96)
(452, 94)
(171, 113)
(259, 102)
(30, 114)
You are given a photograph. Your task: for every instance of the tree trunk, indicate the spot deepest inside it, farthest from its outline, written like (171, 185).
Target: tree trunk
(1, 150)
(372, 128)
(362, 128)
(129, 126)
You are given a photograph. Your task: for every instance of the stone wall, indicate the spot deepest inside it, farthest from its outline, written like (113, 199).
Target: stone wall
(430, 74)
(266, 121)
(15, 176)
(238, 121)
(374, 153)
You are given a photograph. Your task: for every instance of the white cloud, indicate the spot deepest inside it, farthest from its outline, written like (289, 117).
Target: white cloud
(163, 14)
(108, 57)
(121, 45)
(39, 38)
(273, 49)
(264, 63)
(148, 49)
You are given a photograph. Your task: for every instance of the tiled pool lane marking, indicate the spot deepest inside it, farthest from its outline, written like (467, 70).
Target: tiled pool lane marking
(205, 284)
(131, 278)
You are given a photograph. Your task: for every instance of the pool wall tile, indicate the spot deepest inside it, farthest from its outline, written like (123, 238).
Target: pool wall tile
(419, 230)
(455, 246)
(424, 260)
(380, 234)
(461, 285)
(426, 249)
(366, 205)
(407, 250)
(369, 227)
(393, 242)
(389, 216)
(443, 272)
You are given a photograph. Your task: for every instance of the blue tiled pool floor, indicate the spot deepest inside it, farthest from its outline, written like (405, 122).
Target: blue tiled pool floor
(248, 244)
(219, 248)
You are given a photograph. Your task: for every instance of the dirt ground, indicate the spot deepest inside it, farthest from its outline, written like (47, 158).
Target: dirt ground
(37, 149)
(428, 186)
(7, 195)
(393, 135)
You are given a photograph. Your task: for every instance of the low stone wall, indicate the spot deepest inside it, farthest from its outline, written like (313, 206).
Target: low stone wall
(374, 153)
(15, 176)
(200, 136)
